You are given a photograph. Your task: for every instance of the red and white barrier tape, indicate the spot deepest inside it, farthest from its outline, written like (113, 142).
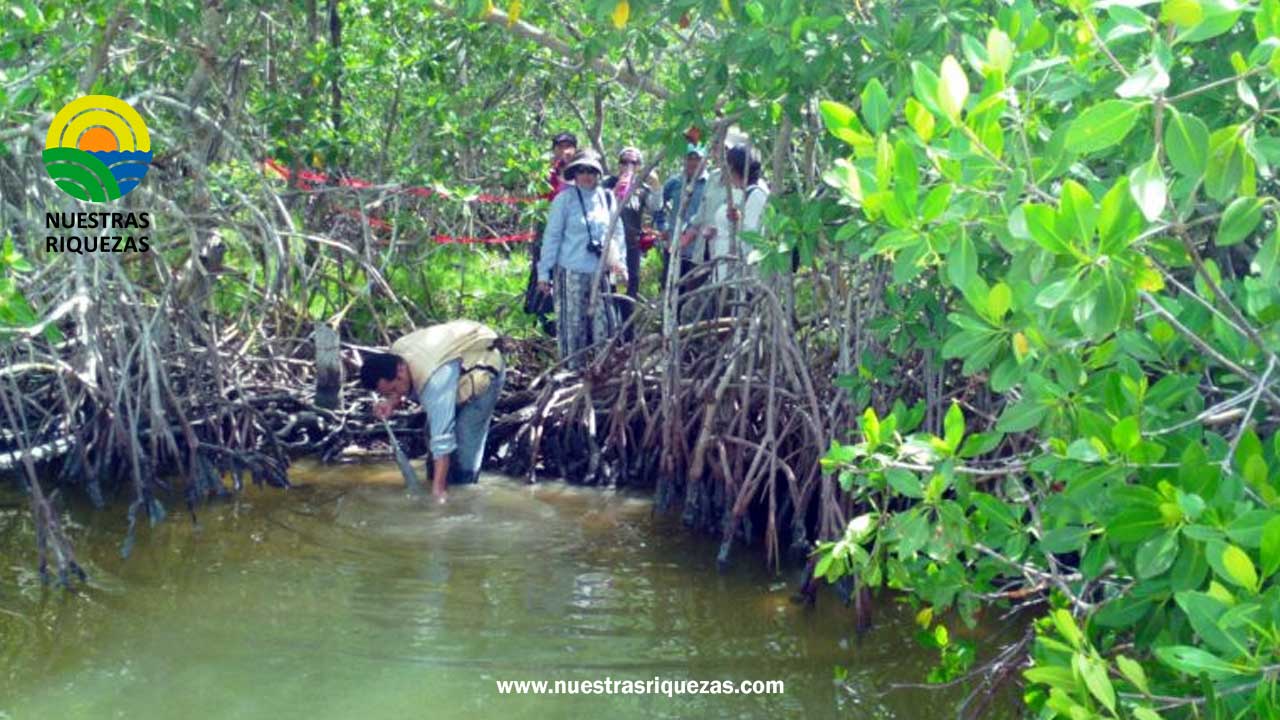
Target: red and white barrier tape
(307, 179)
(518, 237)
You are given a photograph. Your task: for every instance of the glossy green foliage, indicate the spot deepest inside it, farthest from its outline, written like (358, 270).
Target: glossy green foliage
(1093, 182)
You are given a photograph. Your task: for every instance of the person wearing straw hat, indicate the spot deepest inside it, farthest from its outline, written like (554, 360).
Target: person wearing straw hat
(455, 370)
(578, 237)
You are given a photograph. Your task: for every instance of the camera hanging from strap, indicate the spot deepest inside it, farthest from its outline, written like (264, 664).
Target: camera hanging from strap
(592, 244)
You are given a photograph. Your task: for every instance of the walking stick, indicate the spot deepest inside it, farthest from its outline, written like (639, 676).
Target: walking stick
(411, 482)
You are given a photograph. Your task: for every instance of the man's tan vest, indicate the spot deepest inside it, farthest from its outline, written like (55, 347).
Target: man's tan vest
(427, 349)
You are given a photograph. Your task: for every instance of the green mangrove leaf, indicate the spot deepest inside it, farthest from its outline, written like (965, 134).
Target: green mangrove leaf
(1064, 539)
(1042, 223)
(1193, 661)
(1204, 612)
(1021, 416)
(1147, 185)
(1238, 220)
(1186, 141)
(876, 109)
(1133, 672)
(953, 88)
(1232, 564)
(1102, 126)
(905, 482)
(1078, 217)
(953, 425)
(1156, 555)
(920, 119)
(1218, 17)
(1182, 13)
(1147, 81)
(1271, 547)
(1227, 163)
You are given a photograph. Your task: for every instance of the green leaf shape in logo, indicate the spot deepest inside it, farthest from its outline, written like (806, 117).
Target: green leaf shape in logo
(80, 174)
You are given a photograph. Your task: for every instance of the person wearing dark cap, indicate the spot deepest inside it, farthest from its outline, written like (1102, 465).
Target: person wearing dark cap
(635, 197)
(577, 239)
(563, 146)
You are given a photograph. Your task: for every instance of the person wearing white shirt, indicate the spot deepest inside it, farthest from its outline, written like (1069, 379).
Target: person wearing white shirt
(743, 212)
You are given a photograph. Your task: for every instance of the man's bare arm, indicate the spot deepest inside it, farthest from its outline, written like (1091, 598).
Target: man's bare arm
(440, 476)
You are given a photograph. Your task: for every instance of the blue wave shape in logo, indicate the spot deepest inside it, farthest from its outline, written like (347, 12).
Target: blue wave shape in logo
(127, 167)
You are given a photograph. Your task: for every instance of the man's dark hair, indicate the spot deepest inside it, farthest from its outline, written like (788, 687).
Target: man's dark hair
(744, 164)
(564, 137)
(378, 366)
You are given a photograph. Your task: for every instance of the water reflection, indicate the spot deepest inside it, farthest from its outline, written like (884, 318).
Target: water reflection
(344, 598)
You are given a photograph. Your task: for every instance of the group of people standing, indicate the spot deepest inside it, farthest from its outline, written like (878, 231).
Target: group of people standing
(580, 235)
(701, 214)
(455, 370)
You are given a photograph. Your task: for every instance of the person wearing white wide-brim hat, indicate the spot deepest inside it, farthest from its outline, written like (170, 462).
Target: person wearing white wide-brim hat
(578, 237)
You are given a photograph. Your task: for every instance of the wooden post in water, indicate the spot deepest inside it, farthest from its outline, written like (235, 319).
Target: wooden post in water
(328, 368)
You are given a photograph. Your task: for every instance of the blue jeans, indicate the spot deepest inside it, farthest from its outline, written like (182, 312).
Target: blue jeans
(459, 430)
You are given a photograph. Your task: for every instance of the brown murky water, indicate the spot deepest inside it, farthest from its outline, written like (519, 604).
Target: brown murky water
(343, 598)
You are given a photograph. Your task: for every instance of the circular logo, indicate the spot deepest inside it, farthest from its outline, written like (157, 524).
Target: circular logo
(97, 149)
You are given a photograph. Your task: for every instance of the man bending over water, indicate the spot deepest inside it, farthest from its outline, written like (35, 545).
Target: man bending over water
(455, 372)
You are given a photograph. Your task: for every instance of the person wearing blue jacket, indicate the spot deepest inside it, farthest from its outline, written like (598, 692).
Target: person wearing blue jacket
(679, 218)
(577, 239)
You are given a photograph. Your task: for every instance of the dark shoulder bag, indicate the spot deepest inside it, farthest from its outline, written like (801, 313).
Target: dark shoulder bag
(535, 302)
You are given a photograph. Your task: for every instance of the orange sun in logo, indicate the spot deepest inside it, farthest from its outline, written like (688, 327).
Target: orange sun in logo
(98, 139)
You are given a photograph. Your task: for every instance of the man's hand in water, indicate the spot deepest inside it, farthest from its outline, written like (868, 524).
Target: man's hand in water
(385, 407)
(440, 478)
